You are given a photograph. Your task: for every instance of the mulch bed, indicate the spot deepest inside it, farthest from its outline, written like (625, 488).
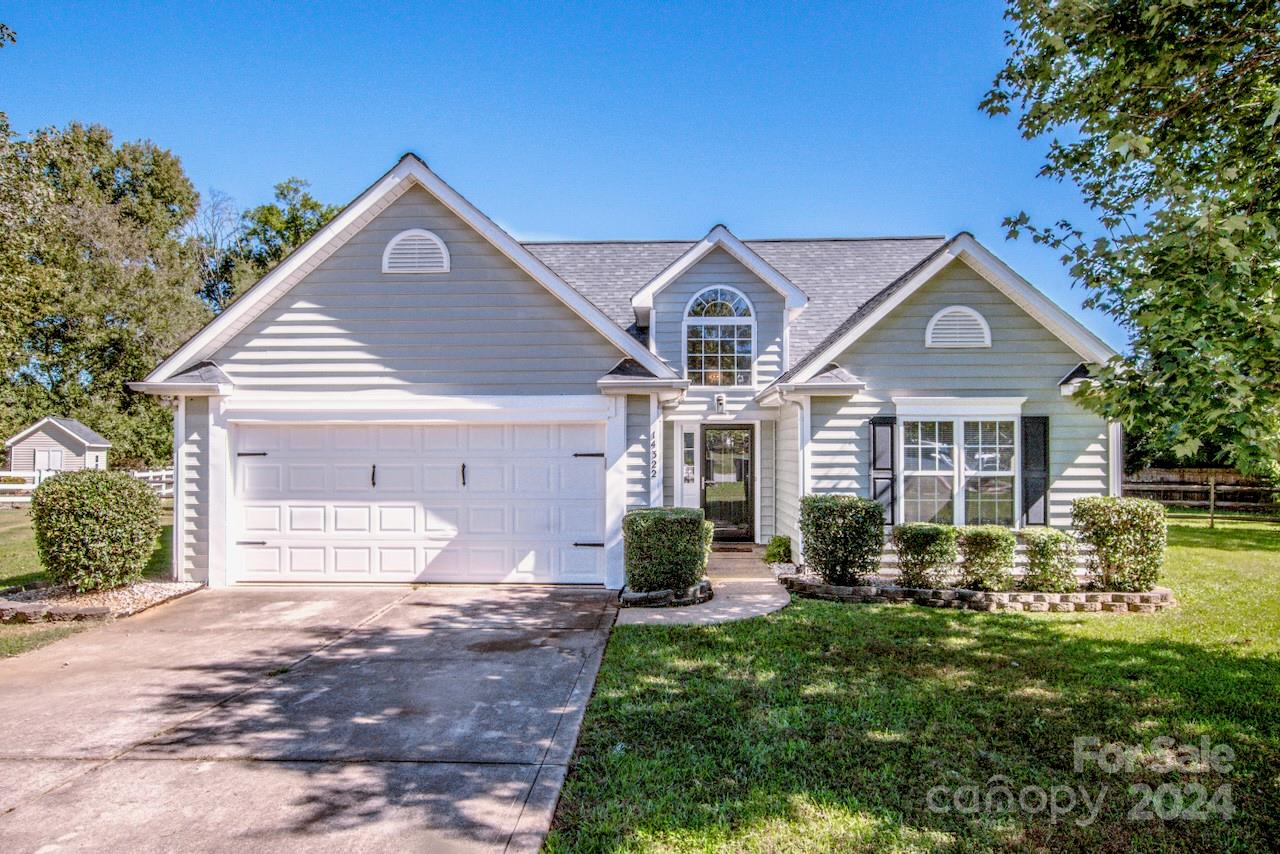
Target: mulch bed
(45, 603)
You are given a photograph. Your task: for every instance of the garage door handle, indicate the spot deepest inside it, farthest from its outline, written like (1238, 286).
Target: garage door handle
(464, 474)
(589, 545)
(373, 475)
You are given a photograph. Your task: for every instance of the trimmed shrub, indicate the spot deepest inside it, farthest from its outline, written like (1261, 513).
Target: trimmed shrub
(778, 550)
(1051, 561)
(1128, 537)
(666, 548)
(986, 557)
(843, 536)
(95, 529)
(926, 552)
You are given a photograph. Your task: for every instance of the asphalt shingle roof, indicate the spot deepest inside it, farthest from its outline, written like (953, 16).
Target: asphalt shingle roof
(839, 275)
(80, 431)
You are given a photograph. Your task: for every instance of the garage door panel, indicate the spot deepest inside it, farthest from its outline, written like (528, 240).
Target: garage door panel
(312, 502)
(352, 519)
(396, 520)
(306, 519)
(307, 479)
(352, 560)
(259, 519)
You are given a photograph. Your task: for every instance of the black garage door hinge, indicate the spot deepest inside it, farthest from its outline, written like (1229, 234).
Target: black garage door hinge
(251, 542)
(251, 454)
(594, 454)
(590, 545)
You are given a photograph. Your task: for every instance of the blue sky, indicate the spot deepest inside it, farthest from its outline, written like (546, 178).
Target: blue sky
(585, 121)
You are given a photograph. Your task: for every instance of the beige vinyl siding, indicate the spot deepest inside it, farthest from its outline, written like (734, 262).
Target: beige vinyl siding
(193, 458)
(22, 455)
(1024, 359)
(485, 327)
(637, 455)
(787, 472)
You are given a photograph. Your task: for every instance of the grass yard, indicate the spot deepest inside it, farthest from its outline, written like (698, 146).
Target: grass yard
(19, 564)
(825, 727)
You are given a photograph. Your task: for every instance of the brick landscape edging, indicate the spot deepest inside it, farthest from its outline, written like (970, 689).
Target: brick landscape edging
(1158, 599)
(695, 595)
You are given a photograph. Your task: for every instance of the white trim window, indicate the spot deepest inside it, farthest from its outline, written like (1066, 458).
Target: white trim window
(928, 471)
(415, 250)
(957, 326)
(990, 480)
(960, 471)
(719, 339)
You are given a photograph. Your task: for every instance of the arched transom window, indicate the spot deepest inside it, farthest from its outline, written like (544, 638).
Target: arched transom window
(719, 338)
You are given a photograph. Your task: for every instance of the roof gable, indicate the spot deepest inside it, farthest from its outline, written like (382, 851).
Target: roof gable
(410, 171)
(963, 247)
(78, 432)
(718, 238)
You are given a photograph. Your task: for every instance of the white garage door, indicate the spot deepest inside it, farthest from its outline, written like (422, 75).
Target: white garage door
(462, 503)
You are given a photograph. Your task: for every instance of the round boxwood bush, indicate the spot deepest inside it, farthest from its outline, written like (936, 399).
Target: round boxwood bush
(843, 536)
(778, 550)
(1051, 561)
(666, 548)
(926, 553)
(986, 557)
(95, 529)
(1128, 538)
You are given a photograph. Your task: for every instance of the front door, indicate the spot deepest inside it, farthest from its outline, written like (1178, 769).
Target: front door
(726, 481)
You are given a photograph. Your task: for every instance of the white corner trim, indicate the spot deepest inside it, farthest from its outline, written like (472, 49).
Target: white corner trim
(911, 407)
(409, 171)
(1115, 458)
(719, 238)
(964, 247)
(615, 492)
(655, 461)
(410, 233)
(179, 488)
(931, 327)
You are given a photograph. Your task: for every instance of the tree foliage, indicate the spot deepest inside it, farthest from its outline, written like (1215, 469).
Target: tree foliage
(1164, 114)
(238, 249)
(96, 282)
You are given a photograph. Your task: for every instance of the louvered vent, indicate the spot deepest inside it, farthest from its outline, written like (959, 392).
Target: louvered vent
(957, 326)
(415, 251)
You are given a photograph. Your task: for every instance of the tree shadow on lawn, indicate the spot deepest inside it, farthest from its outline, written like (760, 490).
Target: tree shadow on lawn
(370, 723)
(826, 725)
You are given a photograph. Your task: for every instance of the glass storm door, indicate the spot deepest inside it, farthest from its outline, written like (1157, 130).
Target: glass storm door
(726, 481)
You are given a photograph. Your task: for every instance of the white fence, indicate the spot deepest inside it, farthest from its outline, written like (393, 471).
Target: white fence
(16, 486)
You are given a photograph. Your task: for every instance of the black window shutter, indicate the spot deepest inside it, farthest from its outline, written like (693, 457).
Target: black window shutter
(1035, 470)
(883, 480)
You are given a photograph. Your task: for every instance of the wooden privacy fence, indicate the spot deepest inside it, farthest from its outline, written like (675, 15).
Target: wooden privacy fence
(1210, 489)
(16, 486)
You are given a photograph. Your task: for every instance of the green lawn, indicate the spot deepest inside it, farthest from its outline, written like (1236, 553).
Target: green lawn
(19, 564)
(825, 726)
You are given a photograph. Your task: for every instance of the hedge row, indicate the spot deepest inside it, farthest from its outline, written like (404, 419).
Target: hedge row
(844, 538)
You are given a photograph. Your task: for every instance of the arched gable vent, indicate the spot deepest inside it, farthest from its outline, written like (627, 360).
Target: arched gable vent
(415, 251)
(957, 326)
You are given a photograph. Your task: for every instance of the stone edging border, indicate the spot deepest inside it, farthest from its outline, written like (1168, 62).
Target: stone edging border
(40, 612)
(695, 595)
(1158, 599)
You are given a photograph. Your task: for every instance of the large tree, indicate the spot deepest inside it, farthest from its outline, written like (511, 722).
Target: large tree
(238, 249)
(97, 282)
(1164, 114)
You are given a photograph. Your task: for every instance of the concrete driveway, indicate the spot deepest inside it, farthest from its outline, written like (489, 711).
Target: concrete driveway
(281, 719)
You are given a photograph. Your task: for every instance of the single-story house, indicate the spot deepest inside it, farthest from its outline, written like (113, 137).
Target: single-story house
(415, 395)
(57, 444)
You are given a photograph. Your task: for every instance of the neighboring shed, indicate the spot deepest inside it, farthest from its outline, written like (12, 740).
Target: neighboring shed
(57, 444)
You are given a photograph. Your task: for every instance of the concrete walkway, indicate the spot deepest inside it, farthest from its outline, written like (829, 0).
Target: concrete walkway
(327, 719)
(744, 587)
